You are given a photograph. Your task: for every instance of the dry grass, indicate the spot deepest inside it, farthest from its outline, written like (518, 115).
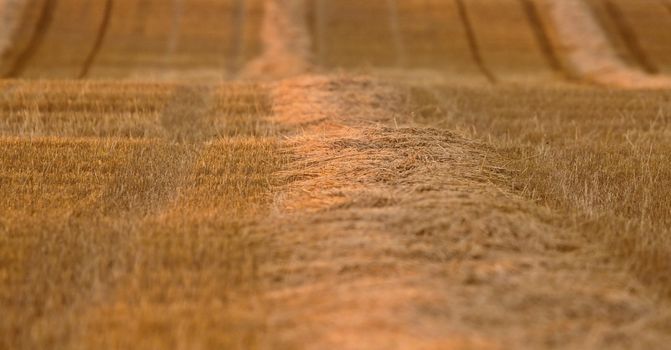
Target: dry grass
(131, 239)
(127, 207)
(135, 110)
(405, 237)
(174, 215)
(194, 267)
(67, 108)
(601, 157)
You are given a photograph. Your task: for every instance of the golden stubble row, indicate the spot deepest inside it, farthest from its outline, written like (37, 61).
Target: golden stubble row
(109, 238)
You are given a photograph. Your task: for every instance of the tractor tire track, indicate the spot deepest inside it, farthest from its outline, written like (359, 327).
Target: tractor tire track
(542, 37)
(473, 43)
(100, 38)
(629, 38)
(43, 23)
(396, 35)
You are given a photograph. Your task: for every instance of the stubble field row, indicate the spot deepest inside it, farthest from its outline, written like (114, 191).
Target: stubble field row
(106, 208)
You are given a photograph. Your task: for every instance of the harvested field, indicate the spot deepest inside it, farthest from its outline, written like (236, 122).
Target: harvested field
(646, 20)
(322, 174)
(137, 39)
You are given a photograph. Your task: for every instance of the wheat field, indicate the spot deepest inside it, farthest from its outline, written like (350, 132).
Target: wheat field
(335, 174)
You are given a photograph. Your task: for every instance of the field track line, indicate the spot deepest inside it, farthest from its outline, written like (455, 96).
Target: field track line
(43, 23)
(542, 38)
(238, 37)
(629, 37)
(473, 43)
(395, 29)
(100, 38)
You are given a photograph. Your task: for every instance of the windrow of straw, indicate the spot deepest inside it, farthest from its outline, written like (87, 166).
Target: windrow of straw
(386, 235)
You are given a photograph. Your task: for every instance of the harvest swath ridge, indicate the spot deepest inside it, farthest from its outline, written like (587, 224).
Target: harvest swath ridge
(217, 174)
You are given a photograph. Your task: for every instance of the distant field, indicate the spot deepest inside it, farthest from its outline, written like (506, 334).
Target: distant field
(461, 38)
(634, 26)
(440, 174)
(135, 39)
